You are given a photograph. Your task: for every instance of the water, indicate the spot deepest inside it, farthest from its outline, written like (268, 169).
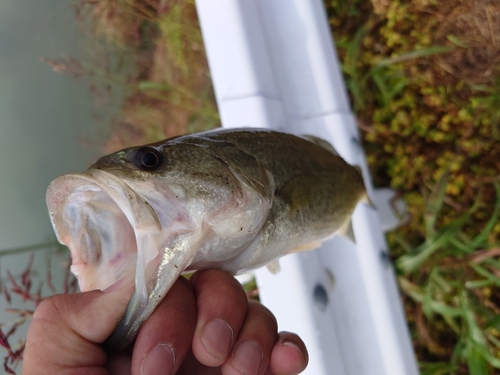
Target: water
(45, 118)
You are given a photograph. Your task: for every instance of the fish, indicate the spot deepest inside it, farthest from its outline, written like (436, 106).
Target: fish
(231, 199)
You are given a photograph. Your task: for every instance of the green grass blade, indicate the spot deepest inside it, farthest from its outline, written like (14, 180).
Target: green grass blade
(475, 333)
(441, 281)
(434, 205)
(451, 321)
(488, 275)
(417, 294)
(476, 363)
(478, 284)
(402, 242)
(424, 52)
(460, 245)
(408, 263)
(481, 239)
(456, 41)
(435, 368)
(493, 322)
(355, 81)
(151, 85)
(389, 84)
(494, 340)
(457, 352)
(492, 262)
(488, 357)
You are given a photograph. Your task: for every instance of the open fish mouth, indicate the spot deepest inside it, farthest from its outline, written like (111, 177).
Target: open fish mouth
(117, 239)
(107, 226)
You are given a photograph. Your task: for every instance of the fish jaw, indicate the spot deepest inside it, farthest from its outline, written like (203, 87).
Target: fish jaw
(174, 260)
(117, 239)
(102, 221)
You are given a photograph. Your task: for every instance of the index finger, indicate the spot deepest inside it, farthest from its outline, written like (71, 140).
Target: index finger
(165, 338)
(222, 306)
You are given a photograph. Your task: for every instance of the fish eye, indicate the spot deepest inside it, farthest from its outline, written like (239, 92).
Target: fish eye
(148, 158)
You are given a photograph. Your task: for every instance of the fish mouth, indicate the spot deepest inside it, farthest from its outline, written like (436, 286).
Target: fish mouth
(108, 227)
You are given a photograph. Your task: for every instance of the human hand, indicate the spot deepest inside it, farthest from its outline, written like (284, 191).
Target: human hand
(204, 326)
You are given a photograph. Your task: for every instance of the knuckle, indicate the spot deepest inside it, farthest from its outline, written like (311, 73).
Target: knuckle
(217, 283)
(263, 314)
(49, 309)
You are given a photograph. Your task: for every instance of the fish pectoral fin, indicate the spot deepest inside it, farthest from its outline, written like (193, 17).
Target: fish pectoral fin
(366, 200)
(346, 231)
(274, 267)
(305, 247)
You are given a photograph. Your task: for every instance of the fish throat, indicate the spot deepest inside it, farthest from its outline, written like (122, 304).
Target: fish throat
(103, 242)
(112, 232)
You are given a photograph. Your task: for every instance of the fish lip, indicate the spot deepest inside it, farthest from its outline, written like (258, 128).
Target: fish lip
(141, 216)
(62, 186)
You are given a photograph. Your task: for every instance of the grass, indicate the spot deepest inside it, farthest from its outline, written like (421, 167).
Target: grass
(424, 81)
(451, 283)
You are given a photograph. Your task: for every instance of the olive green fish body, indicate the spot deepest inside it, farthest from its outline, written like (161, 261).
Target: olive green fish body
(315, 191)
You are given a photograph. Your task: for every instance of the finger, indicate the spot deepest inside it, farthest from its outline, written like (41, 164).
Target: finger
(67, 330)
(119, 363)
(222, 306)
(165, 338)
(253, 348)
(192, 366)
(289, 355)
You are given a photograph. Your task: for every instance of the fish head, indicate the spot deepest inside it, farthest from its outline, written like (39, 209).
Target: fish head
(139, 216)
(98, 216)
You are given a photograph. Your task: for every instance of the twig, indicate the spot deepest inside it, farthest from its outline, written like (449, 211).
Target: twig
(7, 295)
(49, 278)
(20, 312)
(26, 249)
(481, 255)
(424, 334)
(478, 24)
(364, 126)
(477, 257)
(488, 15)
(26, 275)
(4, 342)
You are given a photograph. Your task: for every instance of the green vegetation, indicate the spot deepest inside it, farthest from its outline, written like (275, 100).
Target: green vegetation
(424, 79)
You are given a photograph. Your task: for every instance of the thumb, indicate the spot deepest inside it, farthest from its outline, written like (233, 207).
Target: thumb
(67, 330)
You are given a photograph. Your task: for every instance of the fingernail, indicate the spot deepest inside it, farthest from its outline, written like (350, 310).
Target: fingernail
(217, 338)
(247, 358)
(159, 361)
(292, 345)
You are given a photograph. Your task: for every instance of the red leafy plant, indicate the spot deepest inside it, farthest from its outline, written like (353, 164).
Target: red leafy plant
(24, 288)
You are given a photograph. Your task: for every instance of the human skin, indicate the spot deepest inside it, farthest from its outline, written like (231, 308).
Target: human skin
(204, 326)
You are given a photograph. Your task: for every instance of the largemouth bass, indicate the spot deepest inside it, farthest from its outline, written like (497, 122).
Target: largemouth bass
(228, 199)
